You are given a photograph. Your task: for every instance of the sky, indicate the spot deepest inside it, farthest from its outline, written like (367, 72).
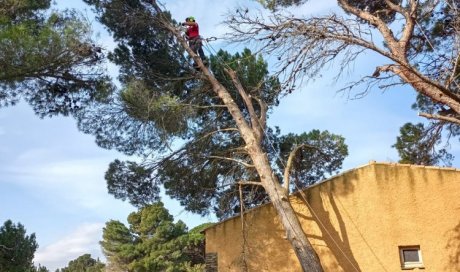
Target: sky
(52, 176)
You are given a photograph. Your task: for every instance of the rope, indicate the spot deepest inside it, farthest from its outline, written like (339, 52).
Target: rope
(271, 143)
(311, 209)
(282, 162)
(330, 235)
(210, 50)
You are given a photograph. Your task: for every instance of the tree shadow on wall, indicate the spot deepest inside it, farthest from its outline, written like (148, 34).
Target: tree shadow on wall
(453, 249)
(335, 222)
(335, 239)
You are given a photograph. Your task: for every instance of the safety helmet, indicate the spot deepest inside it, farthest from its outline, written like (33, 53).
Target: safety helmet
(190, 19)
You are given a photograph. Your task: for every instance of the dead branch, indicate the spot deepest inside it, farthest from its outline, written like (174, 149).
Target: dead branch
(450, 119)
(6, 248)
(233, 160)
(248, 102)
(304, 46)
(252, 183)
(288, 168)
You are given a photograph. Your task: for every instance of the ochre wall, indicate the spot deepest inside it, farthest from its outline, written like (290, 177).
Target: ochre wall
(365, 214)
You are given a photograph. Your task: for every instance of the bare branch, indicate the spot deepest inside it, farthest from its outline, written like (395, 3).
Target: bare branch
(247, 101)
(373, 20)
(395, 7)
(455, 74)
(411, 19)
(288, 168)
(263, 114)
(450, 119)
(217, 131)
(305, 46)
(6, 248)
(254, 183)
(233, 160)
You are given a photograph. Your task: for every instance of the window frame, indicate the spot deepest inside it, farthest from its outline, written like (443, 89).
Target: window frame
(410, 265)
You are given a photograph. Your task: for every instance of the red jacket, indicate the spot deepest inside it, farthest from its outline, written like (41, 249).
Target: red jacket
(192, 30)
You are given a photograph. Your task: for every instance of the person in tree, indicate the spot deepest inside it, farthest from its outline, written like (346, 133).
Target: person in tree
(194, 39)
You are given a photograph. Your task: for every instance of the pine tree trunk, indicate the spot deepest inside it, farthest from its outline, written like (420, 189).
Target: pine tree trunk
(278, 196)
(303, 249)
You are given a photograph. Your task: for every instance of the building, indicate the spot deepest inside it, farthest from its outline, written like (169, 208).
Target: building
(378, 217)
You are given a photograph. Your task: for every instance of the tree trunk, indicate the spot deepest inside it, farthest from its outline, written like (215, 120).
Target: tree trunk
(278, 196)
(450, 99)
(307, 256)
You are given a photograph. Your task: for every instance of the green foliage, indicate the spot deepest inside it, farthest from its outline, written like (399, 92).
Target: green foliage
(128, 180)
(252, 71)
(147, 112)
(417, 145)
(164, 111)
(140, 38)
(439, 29)
(153, 242)
(379, 9)
(274, 4)
(167, 114)
(16, 248)
(17, 10)
(40, 269)
(117, 244)
(84, 263)
(48, 59)
(323, 153)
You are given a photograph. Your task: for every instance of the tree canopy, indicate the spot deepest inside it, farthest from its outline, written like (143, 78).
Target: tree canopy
(152, 242)
(417, 144)
(48, 59)
(84, 263)
(198, 173)
(202, 134)
(160, 104)
(17, 249)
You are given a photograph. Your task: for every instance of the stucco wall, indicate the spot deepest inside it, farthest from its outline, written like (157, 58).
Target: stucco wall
(365, 214)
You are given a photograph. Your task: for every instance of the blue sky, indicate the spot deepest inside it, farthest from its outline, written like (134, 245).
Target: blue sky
(51, 175)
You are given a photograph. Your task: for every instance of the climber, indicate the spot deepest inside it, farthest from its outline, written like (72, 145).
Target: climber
(194, 39)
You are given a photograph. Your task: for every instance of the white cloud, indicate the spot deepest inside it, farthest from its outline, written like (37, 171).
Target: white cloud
(84, 239)
(80, 182)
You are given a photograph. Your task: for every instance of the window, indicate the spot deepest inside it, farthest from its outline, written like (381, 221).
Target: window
(411, 257)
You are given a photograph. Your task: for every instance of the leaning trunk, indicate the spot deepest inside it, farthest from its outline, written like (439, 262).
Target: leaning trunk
(278, 196)
(303, 249)
(429, 89)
